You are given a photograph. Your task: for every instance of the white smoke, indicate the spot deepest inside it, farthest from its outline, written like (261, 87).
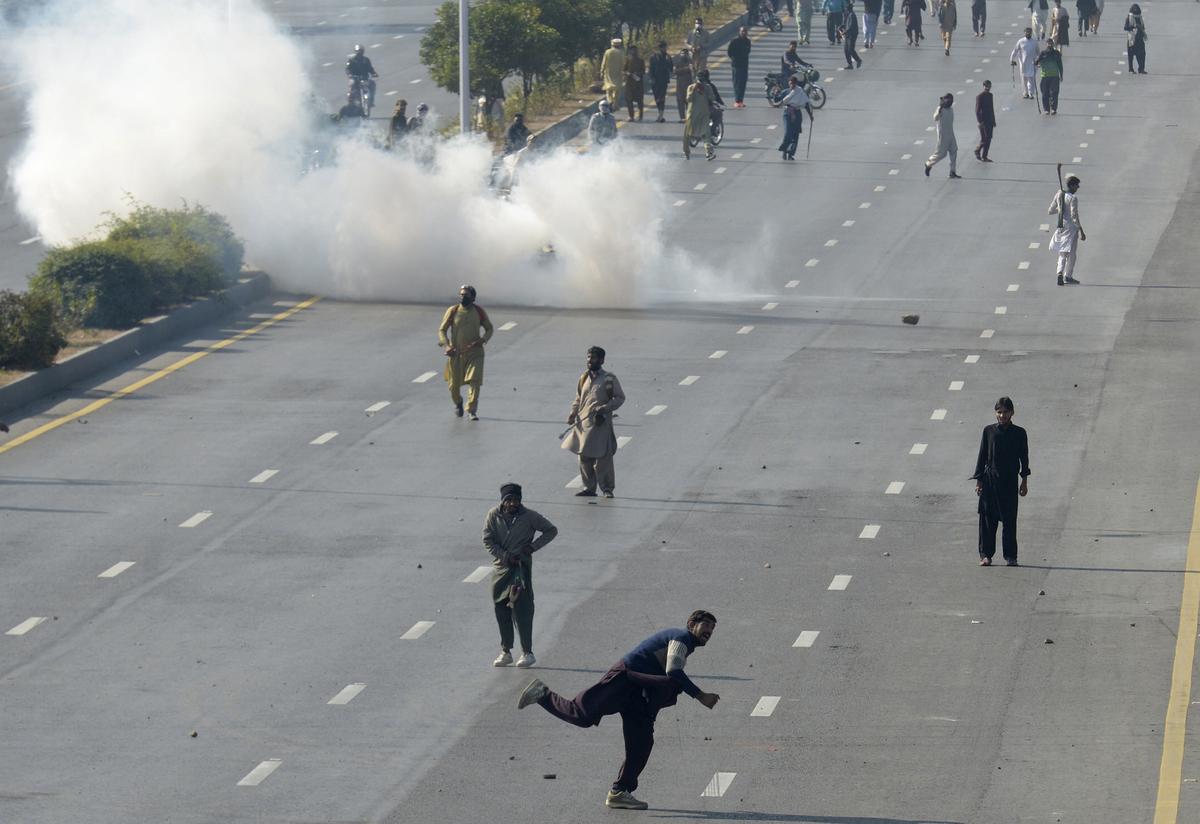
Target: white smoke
(172, 101)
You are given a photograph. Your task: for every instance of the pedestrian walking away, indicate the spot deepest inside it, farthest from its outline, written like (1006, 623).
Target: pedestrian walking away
(661, 69)
(804, 22)
(635, 86)
(464, 330)
(795, 103)
(1024, 55)
(511, 534)
(948, 22)
(833, 19)
(1039, 10)
(648, 679)
(1065, 240)
(979, 17)
(597, 396)
(849, 33)
(1135, 39)
(683, 80)
(612, 73)
(1098, 10)
(739, 62)
(1085, 10)
(889, 9)
(913, 11)
(947, 145)
(1051, 75)
(1003, 459)
(871, 10)
(985, 116)
(1060, 25)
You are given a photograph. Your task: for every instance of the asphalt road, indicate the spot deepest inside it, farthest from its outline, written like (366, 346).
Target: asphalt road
(811, 479)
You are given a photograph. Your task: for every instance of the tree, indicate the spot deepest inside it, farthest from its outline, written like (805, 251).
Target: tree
(584, 26)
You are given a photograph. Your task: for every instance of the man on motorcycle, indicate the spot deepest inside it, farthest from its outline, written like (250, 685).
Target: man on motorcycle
(352, 109)
(791, 63)
(359, 68)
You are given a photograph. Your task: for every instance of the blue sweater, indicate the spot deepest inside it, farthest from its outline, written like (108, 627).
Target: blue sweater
(665, 653)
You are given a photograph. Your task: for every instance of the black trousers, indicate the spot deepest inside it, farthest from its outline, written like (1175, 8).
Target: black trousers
(833, 22)
(660, 96)
(1050, 94)
(741, 74)
(1139, 52)
(849, 51)
(988, 524)
(985, 139)
(978, 18)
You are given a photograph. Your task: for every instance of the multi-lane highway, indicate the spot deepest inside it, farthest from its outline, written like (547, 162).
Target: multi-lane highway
(250, 589)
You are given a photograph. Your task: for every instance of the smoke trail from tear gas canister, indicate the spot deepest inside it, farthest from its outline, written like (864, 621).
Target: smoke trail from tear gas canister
(166, 102)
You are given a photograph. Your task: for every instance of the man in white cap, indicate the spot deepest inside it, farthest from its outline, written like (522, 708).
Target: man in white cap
(612, 72)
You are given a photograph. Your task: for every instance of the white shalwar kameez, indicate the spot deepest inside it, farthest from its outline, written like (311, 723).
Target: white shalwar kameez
(1023, 54)
(1065, 239)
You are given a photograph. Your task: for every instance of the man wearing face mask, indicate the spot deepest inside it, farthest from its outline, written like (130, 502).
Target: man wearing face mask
(465, 329)
(509, 532)
(1003, 457)
(597, 396)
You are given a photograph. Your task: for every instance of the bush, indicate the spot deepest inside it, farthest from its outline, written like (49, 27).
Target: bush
(30, 331)
(98, 283)
(178, 268)
(195, 231)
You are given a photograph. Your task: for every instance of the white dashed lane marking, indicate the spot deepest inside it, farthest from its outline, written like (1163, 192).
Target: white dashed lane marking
(424, 376)
(987, 333)
(831, 242)
(27, 241)
(1023, 265)
(719, 784)
(807, 638)
(720, 353)
(264, 476)
(736, 155)
(847, 223)
(720, 170)
(689, 380)
(417, 630)
(512, 324)
(906, 157)
(767, 307)
(918, 449)
(478, 575)
(893, 171)
(756, 140)
(938, 415)
(1035, 245)
(323, 439)
(1001, 310)
(1044, 227)
(956, 386)
(196, 520)
(864, 205)
(259, 774)
(25, 626)
(1014, 287)
(869, 532)
(971, 359)
(840, 582)
(657, 409)
(700, 187)
(811, 262)
(622, 440)
(1077, 160)
(680, 202)
(745, 330)
(791, 284)
(116, 569)
(881, 188)
(347, 694)
(894, 488)
(765, 706)
(378, 407)
(575, 483)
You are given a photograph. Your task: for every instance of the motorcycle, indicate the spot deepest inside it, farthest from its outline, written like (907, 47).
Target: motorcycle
(716, 130)
(775, 86)
(360, 87)
(767, 17)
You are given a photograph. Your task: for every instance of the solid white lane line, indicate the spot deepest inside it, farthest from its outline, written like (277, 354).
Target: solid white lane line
(767, 307)
(894, 488)
(720, 353)
(1014, 287)
(791, 284)
(938, 415)
(622, 440)
(987, 333)
(700, 187)
(504, 327)
(424, 376)
(720, 170)
(765, 706)
(376, 407)
(831, 242)
(196, 520)
(811, 262)
(323, 439)
(257, 775)
(807, 638)
(657, 409)
(347, 694)
(1001, 310)
(719, 784)
(25, 626)
(116, 569)
(869, 532)
(1023, 265)
(575, 483)
(417, 630)
(918, 449)
(956, 386)
(264, 476)
(478, 575)
(689, 380)
(680, 202)
(971, 359)
(864, 205)
(745, 330)
(847, 223)
(840, 582)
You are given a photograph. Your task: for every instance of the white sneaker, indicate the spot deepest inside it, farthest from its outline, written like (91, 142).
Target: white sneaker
(526, 660)
(504, 659)
(624, 801)
(533, 693)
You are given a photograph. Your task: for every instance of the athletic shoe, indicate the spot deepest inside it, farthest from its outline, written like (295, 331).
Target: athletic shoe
(586, 493)
(986, 159)
(471, 416)
(1071, 281)
(533, 693)
(954, 176)
(927, 168)
(1013, 562)
(458, 410)
(504, 659)
(623, 801)
(526, 660)
(608, 492)
(1060, 280)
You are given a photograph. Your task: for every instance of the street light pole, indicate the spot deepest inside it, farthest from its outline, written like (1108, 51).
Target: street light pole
(464, 70)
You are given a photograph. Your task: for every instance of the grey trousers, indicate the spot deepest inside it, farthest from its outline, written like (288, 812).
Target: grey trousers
(597, 472)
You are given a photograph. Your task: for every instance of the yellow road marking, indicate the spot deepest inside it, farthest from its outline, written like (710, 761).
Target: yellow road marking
(1170, 771)
(157, 376)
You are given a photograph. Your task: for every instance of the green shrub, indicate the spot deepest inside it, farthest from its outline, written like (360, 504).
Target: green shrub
(97, 283)
(30, 332)
(190, 226)
(178, 268)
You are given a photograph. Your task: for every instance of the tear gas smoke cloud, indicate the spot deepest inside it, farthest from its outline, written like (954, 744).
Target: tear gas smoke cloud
(167, 102)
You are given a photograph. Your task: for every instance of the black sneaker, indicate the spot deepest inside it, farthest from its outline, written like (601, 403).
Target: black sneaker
(586, 493)
(1060, 280)
(955, 176)
(458, 410)
(927, 168)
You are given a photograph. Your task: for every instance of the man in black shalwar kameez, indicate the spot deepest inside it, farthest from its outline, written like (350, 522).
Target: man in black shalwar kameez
(1003, 458)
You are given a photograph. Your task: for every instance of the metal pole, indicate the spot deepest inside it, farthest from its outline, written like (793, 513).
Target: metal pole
(464, 70)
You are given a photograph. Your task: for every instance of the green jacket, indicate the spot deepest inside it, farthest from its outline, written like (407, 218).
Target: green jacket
(511, 543)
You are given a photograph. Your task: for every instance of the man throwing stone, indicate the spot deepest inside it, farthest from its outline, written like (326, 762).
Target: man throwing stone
(645, 681)
(597, 395)
(947, 144)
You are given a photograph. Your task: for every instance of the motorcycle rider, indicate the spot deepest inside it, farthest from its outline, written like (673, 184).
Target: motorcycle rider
(359, 68)
(791, 63)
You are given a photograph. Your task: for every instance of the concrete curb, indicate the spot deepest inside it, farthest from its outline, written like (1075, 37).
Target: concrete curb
(151, 333)
(571, 125)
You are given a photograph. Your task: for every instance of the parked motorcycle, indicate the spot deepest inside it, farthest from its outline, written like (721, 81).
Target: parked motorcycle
(775, 86)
